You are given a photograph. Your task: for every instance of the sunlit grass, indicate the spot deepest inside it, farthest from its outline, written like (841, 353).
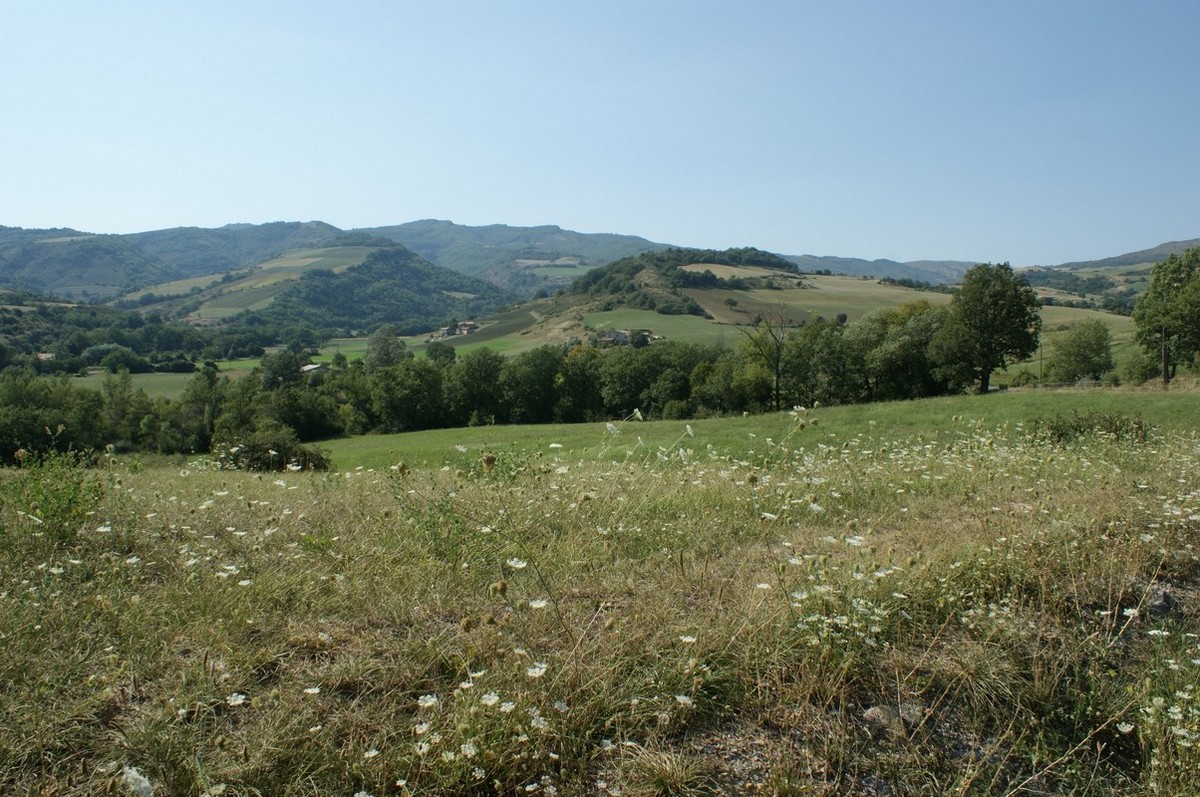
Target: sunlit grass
(938, 418)
(827, 602)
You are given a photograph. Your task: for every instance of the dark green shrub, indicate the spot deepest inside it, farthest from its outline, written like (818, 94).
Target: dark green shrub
(1113, 425)
(270, 448)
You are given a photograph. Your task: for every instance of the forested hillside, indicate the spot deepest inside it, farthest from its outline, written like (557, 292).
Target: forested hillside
(1141, 257)
(79, 266)
(194, 251)
(933, 272)
(520, 259)
(656, 280)
(392, 286)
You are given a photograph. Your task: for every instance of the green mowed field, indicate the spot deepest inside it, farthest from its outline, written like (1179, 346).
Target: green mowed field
(353, 348)
(338, 258)
(236, 368)
(673, 327)
(247, 298)
(501, 333)
(163, 385)
(508, 333)
(560, 271)
(156, 385)
(178, 287)
(829, 296)
(751, 436)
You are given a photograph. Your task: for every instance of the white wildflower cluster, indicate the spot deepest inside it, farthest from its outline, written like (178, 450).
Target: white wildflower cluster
(1169, 722)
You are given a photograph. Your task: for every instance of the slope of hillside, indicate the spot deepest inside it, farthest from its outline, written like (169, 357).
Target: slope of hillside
(15, 236)
(523, 260)
(657, 280)
(209, 298)
(79, 266)
(391, 286)
(194, 251)
(1156, 254)
(935, 272)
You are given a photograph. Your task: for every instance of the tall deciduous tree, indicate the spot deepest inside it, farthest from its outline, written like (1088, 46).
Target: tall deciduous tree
(1168, 313)
(385, 348)
(1082, 352)
(994, 320)
(892, 345)
(819, 365)
(527, 382)
(473, 391)
(407, 396)
(578, 385)
(764, 344)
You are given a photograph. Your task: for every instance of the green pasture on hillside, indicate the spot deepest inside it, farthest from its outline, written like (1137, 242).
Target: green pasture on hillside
(259, 287)
(352, 348)
(166, 385)
(560, 271)
(177, 287)
(508, 333)
(233, 302)
(751, 436)
(693, 329)
(828, 296)
(156, 385)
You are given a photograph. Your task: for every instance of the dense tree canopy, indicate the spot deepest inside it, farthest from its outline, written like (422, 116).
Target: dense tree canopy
(385, 348)
(889, 354)
(1168, 314)
(994, 320)
(1082, 352)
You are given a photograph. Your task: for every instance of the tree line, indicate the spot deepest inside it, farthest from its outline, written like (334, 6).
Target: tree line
(913, 351)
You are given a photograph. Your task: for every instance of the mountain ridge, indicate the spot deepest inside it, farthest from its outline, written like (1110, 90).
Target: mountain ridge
(523, 261)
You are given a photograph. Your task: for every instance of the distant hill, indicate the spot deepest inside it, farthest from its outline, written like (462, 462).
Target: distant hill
(522, 260)
(1142, 257)
(78, 266)
(936, 272)
(1111, 283)
(659, 280)
(195, 251)
(15, 236)
(390, 286)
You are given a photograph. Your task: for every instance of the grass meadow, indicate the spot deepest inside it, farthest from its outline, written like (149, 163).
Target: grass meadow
(965, 596)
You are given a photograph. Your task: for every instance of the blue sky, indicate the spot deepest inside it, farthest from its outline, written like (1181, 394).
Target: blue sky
(1029, 132)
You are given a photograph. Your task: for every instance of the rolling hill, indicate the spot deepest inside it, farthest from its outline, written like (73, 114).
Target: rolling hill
(1142, 257)
(79, 266)
(523, 260)
(702, 296)
(346, 288)
(659, 280)
(391, 285)
(935, 272)
(195, 251)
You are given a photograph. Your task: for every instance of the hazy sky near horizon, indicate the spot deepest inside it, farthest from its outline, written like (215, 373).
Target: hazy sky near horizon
(1029, 131)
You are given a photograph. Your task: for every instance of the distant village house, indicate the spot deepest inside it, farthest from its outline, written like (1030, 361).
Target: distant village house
(462, 328)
